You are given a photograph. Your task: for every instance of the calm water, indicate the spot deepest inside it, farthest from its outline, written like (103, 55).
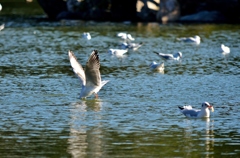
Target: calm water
(136, 115)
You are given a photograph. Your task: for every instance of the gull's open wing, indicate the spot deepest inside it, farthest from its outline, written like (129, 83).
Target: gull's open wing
(93, 77)
(77, 68)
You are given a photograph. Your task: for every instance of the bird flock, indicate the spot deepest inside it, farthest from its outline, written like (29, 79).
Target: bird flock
(90, 77)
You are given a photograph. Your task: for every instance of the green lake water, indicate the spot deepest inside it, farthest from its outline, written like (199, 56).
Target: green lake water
(137, 113)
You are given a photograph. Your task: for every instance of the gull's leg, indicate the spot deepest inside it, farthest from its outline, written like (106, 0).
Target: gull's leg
(96, 95)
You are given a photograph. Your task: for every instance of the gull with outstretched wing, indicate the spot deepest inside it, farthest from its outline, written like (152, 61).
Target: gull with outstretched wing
(90, 77)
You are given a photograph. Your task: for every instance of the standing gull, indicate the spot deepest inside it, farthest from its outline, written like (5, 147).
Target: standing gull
(189, 112)
(176, 56)
(90, 77)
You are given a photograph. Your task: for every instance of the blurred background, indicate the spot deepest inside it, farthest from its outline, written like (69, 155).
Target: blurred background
(128, 10)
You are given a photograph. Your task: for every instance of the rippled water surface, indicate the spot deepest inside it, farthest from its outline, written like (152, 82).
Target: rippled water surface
(136, 114)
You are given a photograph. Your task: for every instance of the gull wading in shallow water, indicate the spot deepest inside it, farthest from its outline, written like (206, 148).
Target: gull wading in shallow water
(176, 56)
(195, 40)
(189, 112)
(90, 77)
(225, 49)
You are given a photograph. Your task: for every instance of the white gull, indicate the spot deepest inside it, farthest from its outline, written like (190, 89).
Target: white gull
(133, 46)
(157, 66)
(90, 77)
(176, 56)
(225, 49)
(189, 112)
(125, 36)
(195, 40)
(117, 52)
(2, 27)
(86, 35)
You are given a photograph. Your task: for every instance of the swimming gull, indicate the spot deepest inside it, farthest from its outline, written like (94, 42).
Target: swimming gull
(189, 112)
(86, 35)
(157, 66)
(225, 49)
(125, 36)
(90, 77)
(2, 27)
(176, 56)
(133, 46)
(117, 52)
(196, 39)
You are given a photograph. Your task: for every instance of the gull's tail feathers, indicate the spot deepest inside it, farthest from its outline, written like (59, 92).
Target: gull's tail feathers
(156, 52)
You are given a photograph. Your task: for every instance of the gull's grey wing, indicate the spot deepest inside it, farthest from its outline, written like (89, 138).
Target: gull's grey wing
(77, 68)
(92, 72)
(166, 56)
(154, 66)
(193, 113)
(190, 39)
(184, 39)
(181, 108)
(160, 66)
(187, 39)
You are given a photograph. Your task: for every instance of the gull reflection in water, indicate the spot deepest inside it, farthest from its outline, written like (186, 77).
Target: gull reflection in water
(85, 129)
(193, 133)
(209, 138)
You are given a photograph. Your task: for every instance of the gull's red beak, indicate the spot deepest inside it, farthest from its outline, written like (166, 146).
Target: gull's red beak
(211, 107)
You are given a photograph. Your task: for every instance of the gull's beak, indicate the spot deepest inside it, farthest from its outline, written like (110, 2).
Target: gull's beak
(211, 107)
